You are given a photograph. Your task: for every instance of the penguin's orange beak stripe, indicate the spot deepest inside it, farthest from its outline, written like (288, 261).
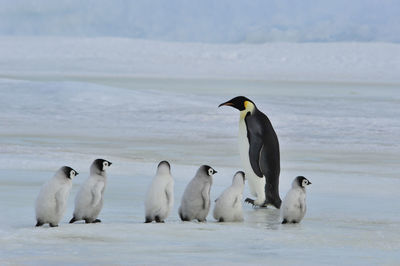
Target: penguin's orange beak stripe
(226, 104)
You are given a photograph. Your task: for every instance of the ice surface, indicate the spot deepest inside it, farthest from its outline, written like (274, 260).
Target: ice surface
(343, 136)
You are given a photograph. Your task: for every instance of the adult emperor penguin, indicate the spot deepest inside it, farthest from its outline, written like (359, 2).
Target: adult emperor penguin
(294, 204)
(52, 200)
(228, 206)
(160, 196)
(195, 202)
(259, 152)
(89, 200)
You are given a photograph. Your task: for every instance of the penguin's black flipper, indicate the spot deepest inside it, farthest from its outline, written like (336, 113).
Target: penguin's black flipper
(254, 135)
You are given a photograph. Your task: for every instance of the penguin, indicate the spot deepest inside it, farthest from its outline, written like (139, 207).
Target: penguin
(89, 200)
(259, 153)
(294, 204)
(228, 206)
(195, 203)
(160, 195)
(52, 200)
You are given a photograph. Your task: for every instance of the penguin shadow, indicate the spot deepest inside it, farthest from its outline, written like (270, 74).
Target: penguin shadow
(269, 218)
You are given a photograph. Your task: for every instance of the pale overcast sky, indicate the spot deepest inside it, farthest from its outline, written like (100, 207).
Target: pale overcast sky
(215, 21)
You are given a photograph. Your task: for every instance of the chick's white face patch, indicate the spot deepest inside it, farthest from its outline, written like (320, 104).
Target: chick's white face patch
(105, 165)
(72, 174)
(304, 183)
(210, 171)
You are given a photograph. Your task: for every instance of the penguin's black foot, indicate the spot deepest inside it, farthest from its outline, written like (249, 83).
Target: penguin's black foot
(73, 220)
(249, 201)
(39, 223)
(96, 221)
(202, 221)
(53, 225)
(148, 220)
(183, 218)
(158, 220)
(284, 221)
(221, 220)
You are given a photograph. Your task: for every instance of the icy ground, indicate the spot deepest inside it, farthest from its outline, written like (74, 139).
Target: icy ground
(71, 101)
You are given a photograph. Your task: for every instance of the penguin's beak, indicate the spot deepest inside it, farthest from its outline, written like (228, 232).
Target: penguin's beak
(228, 103)
(109, 163)
(76, 173)
(215, 172)
(309, 183)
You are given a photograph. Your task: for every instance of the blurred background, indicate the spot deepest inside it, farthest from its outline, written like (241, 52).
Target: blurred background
(223, 21)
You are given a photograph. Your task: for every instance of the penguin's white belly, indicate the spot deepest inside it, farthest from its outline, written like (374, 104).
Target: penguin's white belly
(256, 184)
(294, 206)
(85, 205)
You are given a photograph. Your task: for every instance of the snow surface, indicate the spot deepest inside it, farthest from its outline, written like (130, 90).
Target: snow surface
(124, 58)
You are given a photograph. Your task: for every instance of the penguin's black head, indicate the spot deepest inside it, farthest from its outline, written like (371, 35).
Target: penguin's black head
(208, 170)
(241, 175)
(240, 102)
(164, 163)
(164, 168)
(302, 181)
(69, 172)
(101, 165)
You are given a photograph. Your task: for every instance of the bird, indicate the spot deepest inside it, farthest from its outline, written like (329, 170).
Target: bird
(259, 153)
(195, 203)
(89, 200)
(294, 204)
(52, 200)
(228, 206)
(160, 195)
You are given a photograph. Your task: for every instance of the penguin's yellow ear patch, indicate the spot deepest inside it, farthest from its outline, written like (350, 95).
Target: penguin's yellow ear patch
(248, 105)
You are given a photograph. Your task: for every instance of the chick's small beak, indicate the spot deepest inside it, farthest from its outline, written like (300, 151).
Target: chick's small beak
(76, 173)
(309, 183)
(109, 163)
(215, 172)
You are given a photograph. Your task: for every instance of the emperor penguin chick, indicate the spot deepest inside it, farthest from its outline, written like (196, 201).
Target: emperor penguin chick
(160, 196)
(52, 200)
(228, 206)
(294, 204)
(195, 203)
(89, 200)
